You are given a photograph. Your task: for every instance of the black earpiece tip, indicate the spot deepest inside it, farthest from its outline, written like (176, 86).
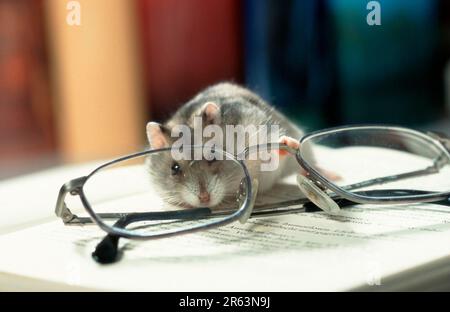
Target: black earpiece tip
(310, 207)
(107, 250)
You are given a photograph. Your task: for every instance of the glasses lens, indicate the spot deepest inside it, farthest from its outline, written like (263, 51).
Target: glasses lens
(158, 193)
(376, 158)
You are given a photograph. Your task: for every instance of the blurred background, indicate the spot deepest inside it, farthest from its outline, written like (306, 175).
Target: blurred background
(72, 93)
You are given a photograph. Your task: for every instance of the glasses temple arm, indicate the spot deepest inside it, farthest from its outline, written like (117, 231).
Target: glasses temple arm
(308, 206)
(107, 250)
(269, 146)
(345, 203)
(392, 178)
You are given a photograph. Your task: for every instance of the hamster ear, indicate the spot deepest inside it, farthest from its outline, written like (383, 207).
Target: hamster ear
(210, 113)
(156, 135)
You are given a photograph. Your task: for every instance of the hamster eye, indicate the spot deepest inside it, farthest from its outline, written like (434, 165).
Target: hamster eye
(176, 168)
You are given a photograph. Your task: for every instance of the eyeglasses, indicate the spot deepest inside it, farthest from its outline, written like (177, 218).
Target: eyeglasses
(151, 195)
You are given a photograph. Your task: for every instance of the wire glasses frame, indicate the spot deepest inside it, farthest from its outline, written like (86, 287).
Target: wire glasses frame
(319, 190)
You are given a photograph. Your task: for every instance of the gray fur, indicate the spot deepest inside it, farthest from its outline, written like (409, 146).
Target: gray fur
(237, 105)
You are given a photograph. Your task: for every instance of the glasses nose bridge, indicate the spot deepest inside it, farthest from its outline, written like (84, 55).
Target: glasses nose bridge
(288, 149)
(282, 148)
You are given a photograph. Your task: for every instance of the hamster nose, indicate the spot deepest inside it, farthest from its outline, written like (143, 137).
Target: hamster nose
(204, 197)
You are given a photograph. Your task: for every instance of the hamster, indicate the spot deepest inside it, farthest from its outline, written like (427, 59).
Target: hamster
(209, 183)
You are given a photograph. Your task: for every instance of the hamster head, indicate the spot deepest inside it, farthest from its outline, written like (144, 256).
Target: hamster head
(212, 183)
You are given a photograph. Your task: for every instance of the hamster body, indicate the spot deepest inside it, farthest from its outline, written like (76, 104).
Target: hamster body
(211, 183)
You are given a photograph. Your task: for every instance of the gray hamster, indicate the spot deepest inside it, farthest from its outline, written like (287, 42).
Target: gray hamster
(209, 183)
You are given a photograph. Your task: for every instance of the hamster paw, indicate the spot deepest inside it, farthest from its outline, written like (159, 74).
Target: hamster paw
(295, 144)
